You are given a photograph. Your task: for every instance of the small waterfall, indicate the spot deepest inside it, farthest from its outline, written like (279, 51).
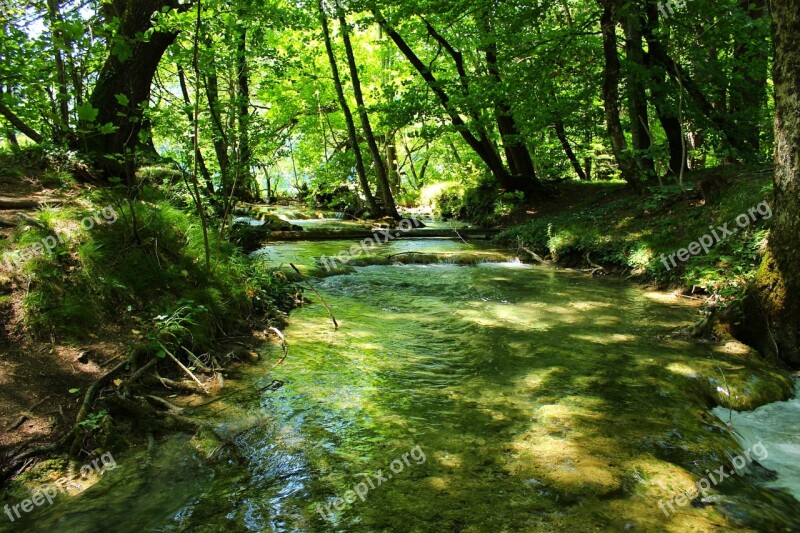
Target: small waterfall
(774, 426)
(339, 215)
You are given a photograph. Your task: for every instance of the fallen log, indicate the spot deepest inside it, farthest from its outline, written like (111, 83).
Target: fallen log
(26, 203)
(18, 203)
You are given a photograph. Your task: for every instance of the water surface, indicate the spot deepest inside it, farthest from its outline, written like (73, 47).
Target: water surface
(535, 399)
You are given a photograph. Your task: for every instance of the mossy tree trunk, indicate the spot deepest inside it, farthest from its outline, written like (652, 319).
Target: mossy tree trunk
(777, 284)
(123, 86)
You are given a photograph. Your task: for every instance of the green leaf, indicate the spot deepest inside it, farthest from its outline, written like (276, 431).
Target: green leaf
(121, 50)
(86, 112)
(74, 391)
(161, 354)
(122, 99)
(108, 128)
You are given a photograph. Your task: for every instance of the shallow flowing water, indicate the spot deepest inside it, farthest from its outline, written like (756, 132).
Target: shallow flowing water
(494, 397)
(775, 426)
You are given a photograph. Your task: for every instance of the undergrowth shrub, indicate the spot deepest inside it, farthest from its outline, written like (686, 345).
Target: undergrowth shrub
(145, 270)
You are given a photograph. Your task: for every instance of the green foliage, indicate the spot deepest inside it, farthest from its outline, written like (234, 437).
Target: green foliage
(627, 233)
(94, 421)
(149, 275)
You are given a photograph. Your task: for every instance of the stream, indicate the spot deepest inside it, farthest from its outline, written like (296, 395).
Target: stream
(493, 397)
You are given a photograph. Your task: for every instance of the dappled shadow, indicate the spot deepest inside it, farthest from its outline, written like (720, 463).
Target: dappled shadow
(539, 397)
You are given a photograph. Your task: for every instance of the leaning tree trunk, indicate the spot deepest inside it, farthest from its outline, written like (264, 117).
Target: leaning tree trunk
(380, 169)
(123, 87)
(219, 138)
(658, 92)
(573, 159)
(348, 115)
(519, 158)
(777, 283)
(481, 146)
(619, 145)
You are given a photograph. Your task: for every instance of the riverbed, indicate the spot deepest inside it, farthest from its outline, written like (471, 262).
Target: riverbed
(489, 397)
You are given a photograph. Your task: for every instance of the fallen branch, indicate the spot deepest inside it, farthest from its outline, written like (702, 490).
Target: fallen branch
(30, 221)
(185, 386)
(196, 360)
(26, 415)
(531, 253)
(310, 286)
(535, 256)
(17, 203)
(403, 253)
(136, 375)
(284, 346)
(164, 403)
(182, 367)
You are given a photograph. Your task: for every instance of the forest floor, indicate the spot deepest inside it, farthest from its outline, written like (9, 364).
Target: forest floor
(63, 326)
(599, 224)
(40, 379)
(35, 377)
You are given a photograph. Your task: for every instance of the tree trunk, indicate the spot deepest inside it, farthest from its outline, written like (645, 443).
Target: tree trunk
(128, 71)
(562, 136)
(348, 116)
(777, 283)
(668, 119)
(619, 145)
(481, 146)
(749, 76)
(18, 123)
(657, 56)
(675, 141)
(54, 16)
(220, 139)
(517, 154)
(380, 169)
(244, 183)
(637, 97)
(392, 170)
(201, 162)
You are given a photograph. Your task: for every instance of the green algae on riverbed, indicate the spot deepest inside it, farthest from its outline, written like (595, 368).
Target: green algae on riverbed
(543, 400)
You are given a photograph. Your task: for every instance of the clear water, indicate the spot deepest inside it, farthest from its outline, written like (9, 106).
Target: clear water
(541, 400)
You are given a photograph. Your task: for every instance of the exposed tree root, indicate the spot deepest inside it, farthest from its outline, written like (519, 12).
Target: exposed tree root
(88, 399)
